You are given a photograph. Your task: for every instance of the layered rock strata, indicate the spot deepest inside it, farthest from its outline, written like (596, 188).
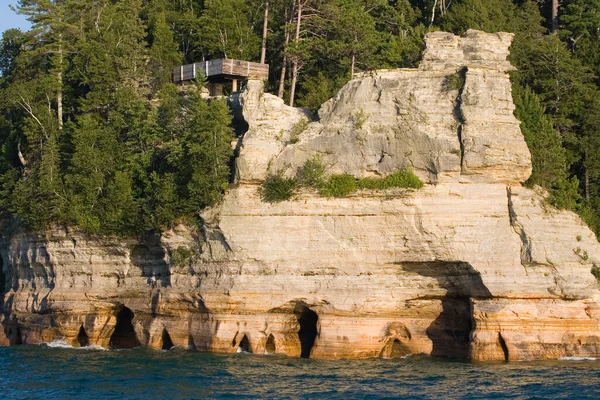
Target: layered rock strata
(473, 265)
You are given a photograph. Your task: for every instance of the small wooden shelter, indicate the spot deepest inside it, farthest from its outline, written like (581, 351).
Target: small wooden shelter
(220, 71)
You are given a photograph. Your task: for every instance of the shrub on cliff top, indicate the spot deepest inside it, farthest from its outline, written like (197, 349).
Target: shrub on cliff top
(277, 188)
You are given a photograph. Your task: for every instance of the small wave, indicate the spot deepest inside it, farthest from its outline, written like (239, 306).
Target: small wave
(395, 358)
(577, 358)
(61, 344)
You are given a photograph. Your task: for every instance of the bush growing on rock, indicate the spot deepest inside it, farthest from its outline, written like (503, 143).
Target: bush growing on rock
(311, 174)
(399, 179)
(339, 186)
(277, 188)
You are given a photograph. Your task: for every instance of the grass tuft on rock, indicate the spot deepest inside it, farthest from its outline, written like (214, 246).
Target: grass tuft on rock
(399, 179)
(297, 130)
(338, 186)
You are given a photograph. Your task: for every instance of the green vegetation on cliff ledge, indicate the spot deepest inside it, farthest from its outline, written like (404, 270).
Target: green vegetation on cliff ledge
(82, 141)
(277, 188)
(311, 175)
(399, 179)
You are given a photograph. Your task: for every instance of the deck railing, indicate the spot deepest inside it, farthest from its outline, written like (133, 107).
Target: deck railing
(224, 68)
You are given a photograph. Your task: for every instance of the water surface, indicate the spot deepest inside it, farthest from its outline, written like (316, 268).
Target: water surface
(32, 372)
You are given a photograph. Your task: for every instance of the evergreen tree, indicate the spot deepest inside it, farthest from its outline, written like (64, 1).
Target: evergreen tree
(225, 31)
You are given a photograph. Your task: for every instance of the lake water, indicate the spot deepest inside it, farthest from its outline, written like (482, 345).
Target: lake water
(57, 372)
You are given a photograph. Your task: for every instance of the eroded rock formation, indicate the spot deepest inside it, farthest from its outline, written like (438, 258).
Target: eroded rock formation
(473, 265)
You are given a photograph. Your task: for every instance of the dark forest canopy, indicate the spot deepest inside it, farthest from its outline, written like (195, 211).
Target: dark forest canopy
(83, 142)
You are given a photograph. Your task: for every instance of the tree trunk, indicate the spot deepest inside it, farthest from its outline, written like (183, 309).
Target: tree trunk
(433, 12)
(587, 178)
(263, 53)
(59, 93)
(285, 59)
(296, 61)
(587, 185)
(352, 66)
(555, 6)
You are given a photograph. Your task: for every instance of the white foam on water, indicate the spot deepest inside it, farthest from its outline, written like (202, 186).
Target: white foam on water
(404, 356)
(61, 344)
(577, 359)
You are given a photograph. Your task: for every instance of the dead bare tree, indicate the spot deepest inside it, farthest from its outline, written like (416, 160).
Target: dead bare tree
(263, 53)
(555, 7)
(288, 13)
(296, 61)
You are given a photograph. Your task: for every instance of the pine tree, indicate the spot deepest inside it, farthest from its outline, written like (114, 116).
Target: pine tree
(225, 31)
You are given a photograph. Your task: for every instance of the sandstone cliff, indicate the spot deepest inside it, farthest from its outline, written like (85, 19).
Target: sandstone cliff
(473, 265)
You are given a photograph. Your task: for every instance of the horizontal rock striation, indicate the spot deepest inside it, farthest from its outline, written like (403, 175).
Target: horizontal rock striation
(473, 265)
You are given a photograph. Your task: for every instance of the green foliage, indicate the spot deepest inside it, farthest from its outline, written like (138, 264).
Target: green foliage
(455, 81)
(84, 142)
(564, 194)
(296, 130)
(338, 186)
(359, 118)
(547, 154)
(485, 15)
(399, 179)
(119, 164)
(589, 213)
(277, 188)
(225, 30)
(180, 255)
(312, 173)
(164, 52)
(317, 89)
(596, 272)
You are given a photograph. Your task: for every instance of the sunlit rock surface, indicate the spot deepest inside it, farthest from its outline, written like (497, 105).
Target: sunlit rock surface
(473, 265)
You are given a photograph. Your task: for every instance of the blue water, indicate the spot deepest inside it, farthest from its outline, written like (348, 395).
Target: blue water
(42, 372)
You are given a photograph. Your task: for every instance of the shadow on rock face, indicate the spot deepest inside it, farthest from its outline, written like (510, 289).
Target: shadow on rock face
(150, 258)
(450, 332)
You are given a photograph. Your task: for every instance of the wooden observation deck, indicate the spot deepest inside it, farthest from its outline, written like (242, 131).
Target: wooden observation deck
(222, 70)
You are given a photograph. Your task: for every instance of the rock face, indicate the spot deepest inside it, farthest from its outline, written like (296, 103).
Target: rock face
(473, 265)
(450, 120)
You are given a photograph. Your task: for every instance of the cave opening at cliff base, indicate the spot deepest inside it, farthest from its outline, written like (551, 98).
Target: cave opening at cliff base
(124, 336)
(270, 345)
(307, 319)
(244, 346)
(82, 338)
(167, 343)
(15, 338)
